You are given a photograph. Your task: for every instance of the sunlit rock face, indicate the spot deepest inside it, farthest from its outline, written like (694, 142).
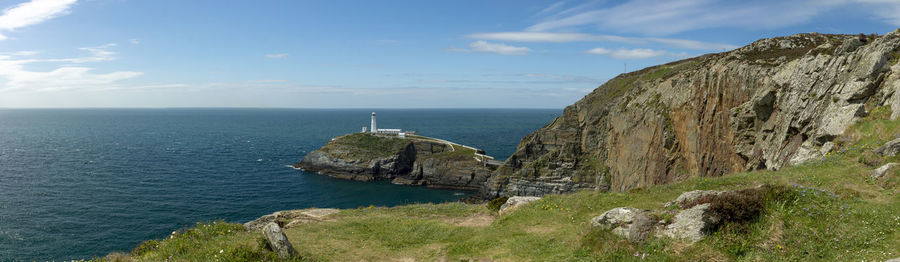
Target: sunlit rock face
(773, 103)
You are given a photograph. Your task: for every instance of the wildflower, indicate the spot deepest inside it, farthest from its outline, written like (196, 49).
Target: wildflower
(221, 250)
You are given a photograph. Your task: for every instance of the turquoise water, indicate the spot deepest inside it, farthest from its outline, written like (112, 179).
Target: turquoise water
(82, 183)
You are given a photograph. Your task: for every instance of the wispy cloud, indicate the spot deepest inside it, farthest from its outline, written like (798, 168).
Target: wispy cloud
(888, 10)
(637, 53)
(66, 77)
(278, 55)
(33, 12)
(134, 41)
(580, 37)
(662, 17)
(487, 47)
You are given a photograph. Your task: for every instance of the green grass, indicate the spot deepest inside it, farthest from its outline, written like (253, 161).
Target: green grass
(836, 214)
(364, 144)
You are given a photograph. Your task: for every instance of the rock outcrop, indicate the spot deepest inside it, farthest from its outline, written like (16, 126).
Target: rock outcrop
(773, 103)
(891, 148)
(880, 172)
(515, 202)
(290, 218)
(692, 224)
(278, 242)
(410, 161)
(630, 223)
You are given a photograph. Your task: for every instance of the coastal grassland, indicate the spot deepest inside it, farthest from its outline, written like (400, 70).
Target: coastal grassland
(364, 144)
(834, 212)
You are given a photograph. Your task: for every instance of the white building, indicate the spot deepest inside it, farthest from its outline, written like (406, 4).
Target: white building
(391, 131)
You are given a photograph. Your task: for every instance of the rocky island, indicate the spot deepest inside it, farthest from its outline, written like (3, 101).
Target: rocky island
(408, 160)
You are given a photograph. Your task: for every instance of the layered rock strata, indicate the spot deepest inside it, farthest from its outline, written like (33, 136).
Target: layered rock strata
(773, 103)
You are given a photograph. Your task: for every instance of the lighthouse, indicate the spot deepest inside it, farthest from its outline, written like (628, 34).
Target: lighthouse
(373, 129)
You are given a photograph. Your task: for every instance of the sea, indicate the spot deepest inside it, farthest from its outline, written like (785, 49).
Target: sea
(81, 183)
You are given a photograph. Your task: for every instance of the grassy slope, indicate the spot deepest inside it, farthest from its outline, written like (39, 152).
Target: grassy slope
(838, 214)
(361, 145)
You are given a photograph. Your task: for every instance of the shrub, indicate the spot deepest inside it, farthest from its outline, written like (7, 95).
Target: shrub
(262, 243)
(145, 247)
(744, 205)
(496, 203)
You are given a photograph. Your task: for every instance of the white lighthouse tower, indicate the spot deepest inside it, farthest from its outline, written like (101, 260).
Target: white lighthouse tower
(374, 129)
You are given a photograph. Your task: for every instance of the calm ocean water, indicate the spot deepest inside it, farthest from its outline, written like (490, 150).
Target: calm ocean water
(82, 183)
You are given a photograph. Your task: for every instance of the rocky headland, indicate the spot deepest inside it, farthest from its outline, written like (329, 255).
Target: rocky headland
(776, 102)
(413, 160)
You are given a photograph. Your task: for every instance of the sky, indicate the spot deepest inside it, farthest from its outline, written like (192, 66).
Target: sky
(375, 54)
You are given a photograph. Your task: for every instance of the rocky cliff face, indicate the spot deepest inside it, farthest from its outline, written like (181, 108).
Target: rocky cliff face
(410, 161)
(773, 103)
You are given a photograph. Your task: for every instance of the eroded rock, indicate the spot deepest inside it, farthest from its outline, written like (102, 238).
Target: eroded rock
(767, 105)
(516, 202)
(278, 241)
(630, 223)
(692, 224)
(891, 148)
(881, 171)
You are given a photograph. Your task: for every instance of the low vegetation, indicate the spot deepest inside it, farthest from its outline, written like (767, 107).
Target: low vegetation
(364, 144)
(824, 210)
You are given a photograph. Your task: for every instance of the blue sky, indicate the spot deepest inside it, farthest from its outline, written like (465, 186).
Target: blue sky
(375, 54)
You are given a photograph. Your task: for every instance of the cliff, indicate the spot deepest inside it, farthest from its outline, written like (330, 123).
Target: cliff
(773, 103)
(412, 161)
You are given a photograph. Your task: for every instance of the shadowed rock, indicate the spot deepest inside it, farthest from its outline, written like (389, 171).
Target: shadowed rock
(891, 148)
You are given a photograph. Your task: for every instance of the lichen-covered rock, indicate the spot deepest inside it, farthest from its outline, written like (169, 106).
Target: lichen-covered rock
(515, 202)
(881, 171)
(692, 224)
(409, 161)
(690, 196)
(630, 223)
(891, 148)
(770, 104)
(278, 241)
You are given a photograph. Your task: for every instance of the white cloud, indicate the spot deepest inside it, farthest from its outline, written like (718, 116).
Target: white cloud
(550, 37)
(486, 47)
(579, 37)
(31, 13)
(18, 77)
(134, 41)
(888, 10)
(662, 17)
(278, 55)
(622, 53)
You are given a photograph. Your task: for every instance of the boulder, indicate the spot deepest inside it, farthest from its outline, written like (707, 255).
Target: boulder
(891, 148)
(515, 202)
(690, 196)
(881, 171)
(893, 260)
(259, 223)
(691, 224)
(630, 223)
(278, 241)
